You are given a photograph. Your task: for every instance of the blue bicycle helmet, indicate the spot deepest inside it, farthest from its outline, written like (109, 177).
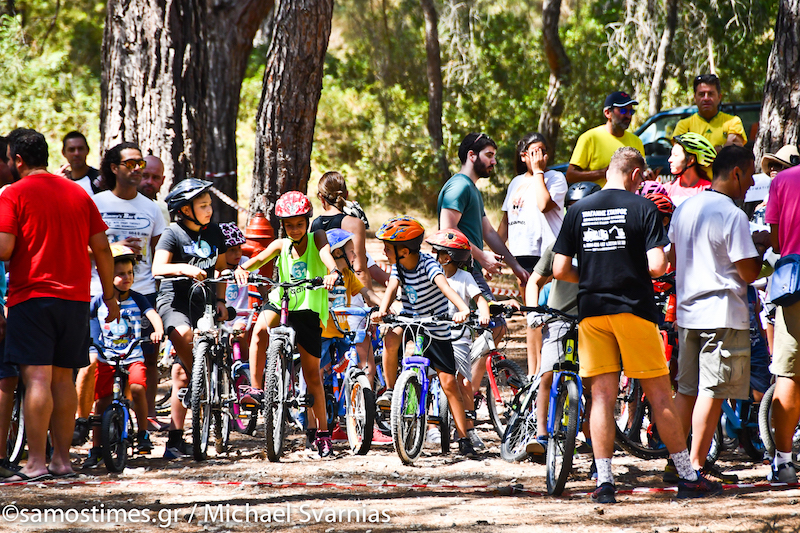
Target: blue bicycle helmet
(337, 238)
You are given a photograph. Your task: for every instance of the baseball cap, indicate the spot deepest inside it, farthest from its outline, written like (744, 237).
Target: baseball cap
(619, 99)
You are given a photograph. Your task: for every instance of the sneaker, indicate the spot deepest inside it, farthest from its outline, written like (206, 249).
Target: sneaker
(324, 444)
(95, 459)
(178, 450)
(583, 448)
(7, 468)
(604, 493)
(476, 441)
(537, 446)
(699, 488)
(311, 437)
(434, 435)
(385, 400)
(670, 473)
(784, 473)
(143, 443)
(338, 435)
(379, 439)
(712, 471)
(250, 396)
(465, 449)
(81, 433)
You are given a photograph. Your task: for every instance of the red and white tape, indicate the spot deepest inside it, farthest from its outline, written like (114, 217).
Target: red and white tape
(495, 290)
(228, 200)
(220, 174)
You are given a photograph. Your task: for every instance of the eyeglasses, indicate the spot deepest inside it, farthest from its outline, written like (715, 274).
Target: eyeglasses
(133, 164)
(625, 112)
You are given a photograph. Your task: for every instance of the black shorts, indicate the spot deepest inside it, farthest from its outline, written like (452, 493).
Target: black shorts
(527, 262)
(48, 331)
(441, 355)
(307, 327)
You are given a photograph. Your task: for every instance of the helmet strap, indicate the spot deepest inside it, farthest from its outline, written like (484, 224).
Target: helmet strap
(193, 218)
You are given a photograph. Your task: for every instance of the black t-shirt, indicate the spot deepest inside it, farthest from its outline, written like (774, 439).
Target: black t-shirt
(199, 249)
(611, 232)
(327, 222)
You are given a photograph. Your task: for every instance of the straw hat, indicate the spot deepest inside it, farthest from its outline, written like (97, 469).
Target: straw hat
(782, 157)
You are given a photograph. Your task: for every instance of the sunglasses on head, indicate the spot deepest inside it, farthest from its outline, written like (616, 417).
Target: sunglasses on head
(473, 143)
(133, 164)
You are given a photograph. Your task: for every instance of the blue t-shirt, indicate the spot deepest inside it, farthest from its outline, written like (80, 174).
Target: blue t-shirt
(420, 294)
(115, 336)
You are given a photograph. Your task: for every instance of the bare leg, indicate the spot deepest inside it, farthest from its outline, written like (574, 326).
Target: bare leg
(465, 391)
(604, 396)
(258, 347)
(62, 421)
(478, 371)
(139, 406)
(670, 428)
(543, 403)
(785, 411)
(38, 408)
(151, 363)
(391, 347)
(685, 405)
(85, 387)
(311, 370)
(533, 341)
(450, 388)
(181, 338)
(704, 423)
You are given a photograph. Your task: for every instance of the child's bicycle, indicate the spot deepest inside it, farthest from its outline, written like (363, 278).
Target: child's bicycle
(351, 393)
(418, 396)
(738, 425)
(244, 420)
(116, 424)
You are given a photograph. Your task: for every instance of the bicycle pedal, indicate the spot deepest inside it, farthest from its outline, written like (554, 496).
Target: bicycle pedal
(183, 392)
(471, 415)
(306, 400)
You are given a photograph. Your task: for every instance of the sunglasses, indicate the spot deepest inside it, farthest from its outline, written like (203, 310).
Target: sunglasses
(133, 164)
(478, 138)
(625, 112)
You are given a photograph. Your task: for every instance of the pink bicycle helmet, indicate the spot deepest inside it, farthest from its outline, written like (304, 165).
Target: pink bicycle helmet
(651, 187)
(293, 204)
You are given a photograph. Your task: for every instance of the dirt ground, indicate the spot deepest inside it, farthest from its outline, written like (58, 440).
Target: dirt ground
(242, 491)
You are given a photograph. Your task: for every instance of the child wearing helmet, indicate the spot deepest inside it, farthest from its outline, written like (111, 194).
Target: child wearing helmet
(300, 255)
(690, 162)
(453, 251)
(115, 336)
(235, 296)
(425, 293)
(193, 247)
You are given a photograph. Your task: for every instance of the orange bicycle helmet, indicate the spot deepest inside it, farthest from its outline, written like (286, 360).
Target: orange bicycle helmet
(403, 229)
(663, 203)
(453, 242)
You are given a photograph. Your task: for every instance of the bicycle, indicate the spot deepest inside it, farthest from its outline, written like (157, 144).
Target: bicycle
(15, 445)
(738, 425)
(244, 420)
(418, 398)
(116, 423)
(766, 429)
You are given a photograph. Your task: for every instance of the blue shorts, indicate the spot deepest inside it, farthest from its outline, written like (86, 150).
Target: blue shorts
(340, 344)
(760, 376)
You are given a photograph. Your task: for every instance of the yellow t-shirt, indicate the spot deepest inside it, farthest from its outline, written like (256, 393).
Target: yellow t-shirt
(595, 147)
(340, 296)
(716, 130)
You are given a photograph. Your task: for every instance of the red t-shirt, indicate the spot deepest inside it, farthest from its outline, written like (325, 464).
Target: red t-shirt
(52, 219)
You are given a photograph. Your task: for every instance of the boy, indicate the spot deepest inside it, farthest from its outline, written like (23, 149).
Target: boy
(453, 251)
(425, 292)
(115, 337)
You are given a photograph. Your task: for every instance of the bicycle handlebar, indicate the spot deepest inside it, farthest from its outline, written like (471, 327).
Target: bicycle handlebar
(117, 357)
(543, 309)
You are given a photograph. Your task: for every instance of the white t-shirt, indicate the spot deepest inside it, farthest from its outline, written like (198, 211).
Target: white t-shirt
(139, 218)
(86, 183)
(530, 230)
(238, 297)
(709, 234)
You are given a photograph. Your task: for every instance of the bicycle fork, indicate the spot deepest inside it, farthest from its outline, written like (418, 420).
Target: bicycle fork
(558, 378)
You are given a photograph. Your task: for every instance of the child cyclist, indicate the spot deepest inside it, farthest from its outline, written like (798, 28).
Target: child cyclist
(235, 296)
(301, 255)
(116, 336)
(425, 292)
(454, 253)
(194, 247)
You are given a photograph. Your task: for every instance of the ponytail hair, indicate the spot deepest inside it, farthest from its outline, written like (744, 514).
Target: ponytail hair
(522, 146)
(333, 190)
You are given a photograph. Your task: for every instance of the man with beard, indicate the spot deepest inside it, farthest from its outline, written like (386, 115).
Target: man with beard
(152, 180)
(595, 147)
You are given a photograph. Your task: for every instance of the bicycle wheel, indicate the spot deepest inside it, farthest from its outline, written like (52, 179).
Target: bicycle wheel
(509, 378)
(408, 424)
(244, 420)
(225, 398)
(444, 416)
(636, 431)
(717, 445)
(751, 442)
(15, 446)
(767, 432)
(115, 446)
(201, 399)
(360, 415)
(275, 388)
(561, 444)
(521, 427)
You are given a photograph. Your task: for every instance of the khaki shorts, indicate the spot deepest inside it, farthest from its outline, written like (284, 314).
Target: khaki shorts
(611, 343)
(714, 363)
(785, 362)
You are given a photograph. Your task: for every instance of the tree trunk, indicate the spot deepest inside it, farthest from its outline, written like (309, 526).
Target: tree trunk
(153, 86)
(435, 89)
(288, 107)
(560, 71)
(657, 86)
(780, 114)
(231, 26)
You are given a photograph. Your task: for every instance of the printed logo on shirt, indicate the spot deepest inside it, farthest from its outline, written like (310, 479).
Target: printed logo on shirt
(126, 221)
(203, 249)
(232, 292)
(411, 293)
(603, 229)
(299, 270)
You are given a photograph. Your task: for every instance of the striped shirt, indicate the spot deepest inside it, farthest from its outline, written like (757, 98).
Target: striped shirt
(117, 335)
(420, 294)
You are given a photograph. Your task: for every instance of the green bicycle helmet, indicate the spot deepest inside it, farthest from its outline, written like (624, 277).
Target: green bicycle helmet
(698, 146)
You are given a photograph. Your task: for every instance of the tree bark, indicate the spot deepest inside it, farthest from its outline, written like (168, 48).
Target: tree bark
(153, 85)
(560, 71)
(435, 86)
(659, 71)
(289, 100)
(231, 26)
(780, 114)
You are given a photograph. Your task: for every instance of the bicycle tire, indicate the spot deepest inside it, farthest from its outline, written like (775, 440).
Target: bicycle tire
(765, 421)
(521, 427)
(561, 444)
(244, 420)
(444, 418)
(751, 442)
(408, 426)
(201, 399)
(636, 430)
(115, 447)
(509, 379)
(717, 445)
(360, 415)
(225, 398)
(15, 445)
(275, 399)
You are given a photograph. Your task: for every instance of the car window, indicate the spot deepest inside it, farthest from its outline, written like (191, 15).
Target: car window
(660, 128)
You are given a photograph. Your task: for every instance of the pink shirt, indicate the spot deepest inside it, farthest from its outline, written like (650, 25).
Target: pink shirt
(678, 194)
(783, 208)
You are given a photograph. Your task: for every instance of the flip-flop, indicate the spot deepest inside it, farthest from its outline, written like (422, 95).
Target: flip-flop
(27, 479)
(65, 475)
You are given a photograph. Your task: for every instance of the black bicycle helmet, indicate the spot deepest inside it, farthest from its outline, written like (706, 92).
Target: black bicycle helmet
(580, 190)
(184, 192)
